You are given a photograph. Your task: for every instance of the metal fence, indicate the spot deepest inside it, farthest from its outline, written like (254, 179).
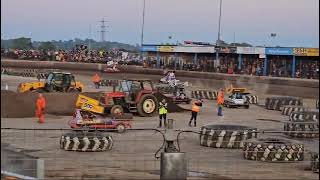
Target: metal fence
(133, 157)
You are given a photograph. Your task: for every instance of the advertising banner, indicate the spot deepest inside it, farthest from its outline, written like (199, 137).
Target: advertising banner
(300, 51)
(306, 51)
(228, 50)
(194, 49)
(279, 51)
(149, 48)
(250, 50)
(312, 51)
(166, 48)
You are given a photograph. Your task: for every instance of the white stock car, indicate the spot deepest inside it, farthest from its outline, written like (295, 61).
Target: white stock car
(236, 100)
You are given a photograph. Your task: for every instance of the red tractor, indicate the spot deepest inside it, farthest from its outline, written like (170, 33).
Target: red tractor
(132, 95)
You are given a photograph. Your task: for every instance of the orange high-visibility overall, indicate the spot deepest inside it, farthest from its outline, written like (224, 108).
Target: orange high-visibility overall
(40, 105)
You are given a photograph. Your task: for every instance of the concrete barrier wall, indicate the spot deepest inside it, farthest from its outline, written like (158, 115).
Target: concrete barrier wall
(140, 70)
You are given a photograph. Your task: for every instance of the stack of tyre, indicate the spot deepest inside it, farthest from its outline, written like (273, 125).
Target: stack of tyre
(276, 103)
(303, 124)
(288, 109)
(273, 150)
(252, 99)
(315, 162)
(86, 142)
(226, 136)
(204, 94)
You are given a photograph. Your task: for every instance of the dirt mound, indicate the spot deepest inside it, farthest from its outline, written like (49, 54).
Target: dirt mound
(19, 105)
(172, 107)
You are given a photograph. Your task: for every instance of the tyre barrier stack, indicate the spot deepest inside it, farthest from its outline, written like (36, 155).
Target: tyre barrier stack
(86, 142)
(315, 162)
(203, 94)
(109, 82)
(226, 136)
(288, 109)
(298, 129)
(251, 99)
(276, 103)
(317, 103)
(273, 150)
(304, 116)
(42, 76)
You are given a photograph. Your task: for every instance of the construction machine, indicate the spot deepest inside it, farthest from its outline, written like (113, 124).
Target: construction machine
(131, 95)
(55, 82)
(232, 90)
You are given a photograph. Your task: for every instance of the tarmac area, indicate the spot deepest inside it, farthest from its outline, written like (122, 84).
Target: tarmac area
(132, 156)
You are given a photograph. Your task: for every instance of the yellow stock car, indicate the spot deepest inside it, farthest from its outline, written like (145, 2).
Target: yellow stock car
(55, 82)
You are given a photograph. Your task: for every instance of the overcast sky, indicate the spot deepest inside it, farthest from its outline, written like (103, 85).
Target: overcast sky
(296, 22)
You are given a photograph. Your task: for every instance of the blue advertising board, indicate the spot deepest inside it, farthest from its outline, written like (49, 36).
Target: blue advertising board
(149, 49)
(279, 51)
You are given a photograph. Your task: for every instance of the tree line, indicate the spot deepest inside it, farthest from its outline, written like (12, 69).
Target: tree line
(27, 44)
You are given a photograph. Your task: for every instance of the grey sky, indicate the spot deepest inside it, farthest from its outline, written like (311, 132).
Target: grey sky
(296, 22)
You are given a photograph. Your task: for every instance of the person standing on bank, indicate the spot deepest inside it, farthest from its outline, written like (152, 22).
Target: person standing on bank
(96, 80)
(194, 112)
(40, 107)
(220, 101)
(163, 113)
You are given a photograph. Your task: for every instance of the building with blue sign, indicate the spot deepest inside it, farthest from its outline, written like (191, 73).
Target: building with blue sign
(274, 61)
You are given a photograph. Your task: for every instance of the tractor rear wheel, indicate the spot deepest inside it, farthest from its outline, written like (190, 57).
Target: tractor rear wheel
(147, 106)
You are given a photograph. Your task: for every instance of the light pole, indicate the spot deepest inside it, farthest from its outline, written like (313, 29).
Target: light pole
(218, 40)
(142, 28)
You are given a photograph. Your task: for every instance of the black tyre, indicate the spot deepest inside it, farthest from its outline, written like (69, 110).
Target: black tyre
(90, 142)
(116, 109)
(304, 116)
(226, 136)
(299, 129)
(121, 128)
(288, 109)
(276, 103)
(247, 106)
(147, 106)
(315, 162)
(273, 150)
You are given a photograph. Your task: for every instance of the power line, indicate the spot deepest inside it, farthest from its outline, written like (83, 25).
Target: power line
(103, 29)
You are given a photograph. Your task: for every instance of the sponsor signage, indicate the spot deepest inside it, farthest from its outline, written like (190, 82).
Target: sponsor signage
(166, 48)
(312, 51)
(227, 50)
(195, 49)
(149, 48)
(279, 51)
(250, 50)
(306, 51)
(197, 43)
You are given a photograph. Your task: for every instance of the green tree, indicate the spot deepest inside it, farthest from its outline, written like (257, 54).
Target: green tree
(22, 43)
(47, 46)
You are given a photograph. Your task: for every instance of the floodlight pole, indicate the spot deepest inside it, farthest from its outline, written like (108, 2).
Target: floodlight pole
(142, 29)
(218, 41)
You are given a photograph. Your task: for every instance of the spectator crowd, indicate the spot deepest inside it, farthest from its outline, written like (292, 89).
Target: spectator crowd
(251, 65)
(80, 53)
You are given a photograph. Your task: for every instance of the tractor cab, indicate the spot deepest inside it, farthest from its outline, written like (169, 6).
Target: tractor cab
(134, 88)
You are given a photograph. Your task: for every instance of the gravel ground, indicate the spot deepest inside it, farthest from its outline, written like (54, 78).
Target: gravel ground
(132, 156)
